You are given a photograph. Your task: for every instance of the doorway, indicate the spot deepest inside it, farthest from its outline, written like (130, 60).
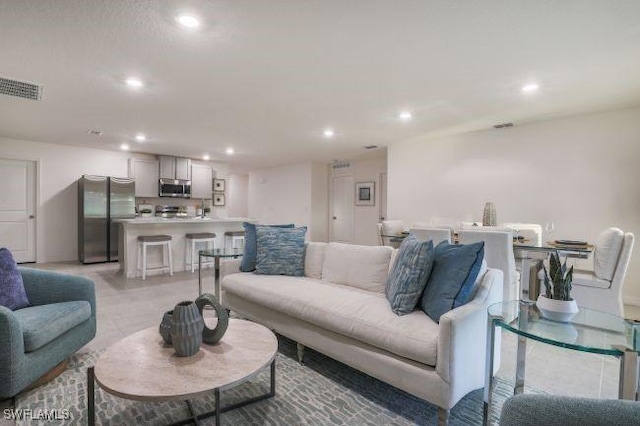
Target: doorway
(342, 199)
(17, 209)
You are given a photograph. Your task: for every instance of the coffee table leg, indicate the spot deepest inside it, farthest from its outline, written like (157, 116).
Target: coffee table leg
(91, 407)
(273, 379)
(488, 372)
(199, 274)
(521, 354)
(217, 396)
(628, 388)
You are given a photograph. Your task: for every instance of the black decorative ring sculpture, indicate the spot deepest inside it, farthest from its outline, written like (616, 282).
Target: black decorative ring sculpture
(210, 336)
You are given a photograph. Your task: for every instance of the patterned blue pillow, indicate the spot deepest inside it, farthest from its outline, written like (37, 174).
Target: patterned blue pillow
(12, 293)
(455, 267)
(409, 274)
(280, 251)
(248, 262)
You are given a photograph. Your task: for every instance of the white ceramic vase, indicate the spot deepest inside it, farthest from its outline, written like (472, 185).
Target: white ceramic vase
(557, 310)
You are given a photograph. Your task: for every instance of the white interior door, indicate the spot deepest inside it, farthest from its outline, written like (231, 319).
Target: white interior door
(17, 209)
(342, 199)
(383, 196)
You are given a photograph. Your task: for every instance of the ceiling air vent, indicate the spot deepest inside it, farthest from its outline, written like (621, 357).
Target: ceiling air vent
(337, 164)
(370, 146)
(20, 89)
(503, 125)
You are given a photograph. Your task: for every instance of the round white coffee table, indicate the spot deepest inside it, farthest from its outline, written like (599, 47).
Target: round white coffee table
(142, 367)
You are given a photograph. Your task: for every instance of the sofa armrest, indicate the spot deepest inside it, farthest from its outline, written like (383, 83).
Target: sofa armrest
(462, 337)
(45, 287)
(11, 343)
(229, 266)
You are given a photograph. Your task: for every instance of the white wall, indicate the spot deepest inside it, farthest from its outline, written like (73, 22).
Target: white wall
(285, 195)
(582, 173)
(238, 195)
(365, 218)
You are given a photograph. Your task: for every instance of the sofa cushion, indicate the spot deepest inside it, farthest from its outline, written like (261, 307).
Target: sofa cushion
(605, 258)
(42, 324)
(365, 267)
(353, 312)
(248, 262)
(455, 266)
(280, 250)
(12, 292)
(409, 274)
(313, 260)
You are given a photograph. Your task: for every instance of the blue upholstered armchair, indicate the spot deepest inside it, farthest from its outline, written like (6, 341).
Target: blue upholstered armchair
(60, 320)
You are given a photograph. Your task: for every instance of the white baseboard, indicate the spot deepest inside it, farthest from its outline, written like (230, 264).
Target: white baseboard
(635, 301)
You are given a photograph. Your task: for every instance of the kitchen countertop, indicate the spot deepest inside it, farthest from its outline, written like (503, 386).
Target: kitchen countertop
(152, 220)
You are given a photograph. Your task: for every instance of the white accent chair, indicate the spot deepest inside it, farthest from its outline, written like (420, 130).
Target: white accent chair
(498, 252)
(436, 235)
(391, 227)
(601, 289)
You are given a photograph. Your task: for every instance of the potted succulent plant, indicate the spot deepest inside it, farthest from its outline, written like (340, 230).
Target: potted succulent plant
(556, 302)
(145, 212)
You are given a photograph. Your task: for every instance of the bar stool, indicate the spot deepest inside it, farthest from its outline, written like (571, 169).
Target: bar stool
(192, 240)
(145, 241)
(234, 239)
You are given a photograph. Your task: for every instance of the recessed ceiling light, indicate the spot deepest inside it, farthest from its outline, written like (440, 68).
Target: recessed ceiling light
(329, 133)
(205, 157)
(140, 137)
(134, 82)
(229, 151)
(188, 21)
(405, 116)
(531, 87)
(124, 147)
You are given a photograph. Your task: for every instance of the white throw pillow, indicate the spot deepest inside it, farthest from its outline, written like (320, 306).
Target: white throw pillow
(607, 251)
(365, 267)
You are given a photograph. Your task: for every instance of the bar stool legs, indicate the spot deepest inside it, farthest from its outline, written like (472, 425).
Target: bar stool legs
(145, 241)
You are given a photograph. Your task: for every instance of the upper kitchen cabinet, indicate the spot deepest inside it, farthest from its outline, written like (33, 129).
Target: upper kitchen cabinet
(201, 181)
(145, 173)
(175, 168)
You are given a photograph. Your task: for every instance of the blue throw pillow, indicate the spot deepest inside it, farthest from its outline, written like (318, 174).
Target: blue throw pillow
(454, 272)
(248, 263)
(280, 251)
(12, 293)
(409, 274)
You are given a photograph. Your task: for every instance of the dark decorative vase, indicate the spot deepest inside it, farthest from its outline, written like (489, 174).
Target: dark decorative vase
(186, 329)
(165, 327)
(210, 336)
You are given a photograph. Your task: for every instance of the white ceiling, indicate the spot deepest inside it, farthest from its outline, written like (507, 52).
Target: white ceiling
(266, 77)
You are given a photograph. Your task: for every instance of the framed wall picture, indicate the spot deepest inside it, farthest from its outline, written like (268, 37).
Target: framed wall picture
(218, 185)
(365, 194)
(218, 199)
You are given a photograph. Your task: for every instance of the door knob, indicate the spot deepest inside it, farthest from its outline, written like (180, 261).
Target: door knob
(31, 216)
(335, 217)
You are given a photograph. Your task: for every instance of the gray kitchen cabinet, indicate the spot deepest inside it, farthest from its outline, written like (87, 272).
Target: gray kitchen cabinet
(183, 168)
(201, 181)
(145, 173)
(175, 167)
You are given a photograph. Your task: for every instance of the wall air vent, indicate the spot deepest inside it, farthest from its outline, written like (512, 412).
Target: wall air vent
(340, 165)
(503, 125)
(20, 89)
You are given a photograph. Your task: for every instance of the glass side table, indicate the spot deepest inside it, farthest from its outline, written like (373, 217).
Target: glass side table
(589, 331)
(217, 254)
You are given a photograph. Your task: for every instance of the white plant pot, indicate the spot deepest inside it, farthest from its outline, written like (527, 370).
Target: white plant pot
(557, 310)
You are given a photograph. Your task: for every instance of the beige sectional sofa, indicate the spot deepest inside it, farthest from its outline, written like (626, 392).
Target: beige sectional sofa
(339, 309)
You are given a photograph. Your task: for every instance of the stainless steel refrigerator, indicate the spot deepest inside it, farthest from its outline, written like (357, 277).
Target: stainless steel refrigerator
(102, 199)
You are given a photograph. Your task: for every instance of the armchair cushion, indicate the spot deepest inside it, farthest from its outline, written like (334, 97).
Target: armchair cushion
(42, 324)
(589, 280)
(605, 258)
(12, 292)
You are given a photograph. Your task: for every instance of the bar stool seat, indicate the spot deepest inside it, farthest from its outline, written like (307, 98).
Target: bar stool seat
(194, 238)
(234, 239)
(145, 241)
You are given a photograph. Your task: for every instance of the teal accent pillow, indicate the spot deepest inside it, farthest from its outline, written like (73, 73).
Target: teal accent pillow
(409, 274)
(248, 262)
(452, 277)
(12, 292)
(280, 251)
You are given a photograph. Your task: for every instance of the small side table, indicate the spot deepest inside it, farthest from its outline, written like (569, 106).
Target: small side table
(589, 331)
(217, 254)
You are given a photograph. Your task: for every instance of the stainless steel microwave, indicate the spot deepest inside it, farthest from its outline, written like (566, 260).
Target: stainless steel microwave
(175, 188)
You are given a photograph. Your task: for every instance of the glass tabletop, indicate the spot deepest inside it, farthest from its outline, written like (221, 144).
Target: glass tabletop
(588, 331)
(222, 252)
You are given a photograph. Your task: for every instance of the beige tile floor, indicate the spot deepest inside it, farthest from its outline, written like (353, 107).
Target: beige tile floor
(128, 305)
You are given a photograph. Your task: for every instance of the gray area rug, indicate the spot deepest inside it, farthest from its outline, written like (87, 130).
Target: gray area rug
(320, 392)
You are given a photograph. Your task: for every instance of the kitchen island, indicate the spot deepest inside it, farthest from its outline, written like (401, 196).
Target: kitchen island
(177, 228)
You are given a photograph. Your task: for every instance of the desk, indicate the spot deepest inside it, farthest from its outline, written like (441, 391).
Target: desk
(589, 331)
(528, 253)
(217, 254)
